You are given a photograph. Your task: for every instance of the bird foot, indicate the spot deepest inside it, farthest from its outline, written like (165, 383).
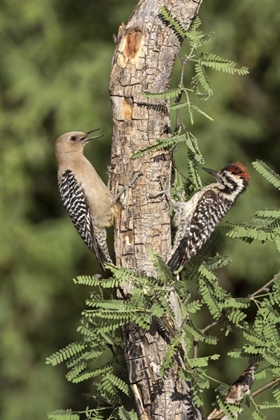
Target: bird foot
(124, 189)
(165, 193)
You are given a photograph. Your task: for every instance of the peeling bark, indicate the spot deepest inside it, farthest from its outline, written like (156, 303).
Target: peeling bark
(143, 61)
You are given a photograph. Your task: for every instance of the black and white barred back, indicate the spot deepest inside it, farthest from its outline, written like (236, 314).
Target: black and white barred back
(76, 204)
(209, 211)
(196, 219)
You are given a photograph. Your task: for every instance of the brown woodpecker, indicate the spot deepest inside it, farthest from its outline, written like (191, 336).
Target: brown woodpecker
(86, 198)
(197, 218)
(236, 392)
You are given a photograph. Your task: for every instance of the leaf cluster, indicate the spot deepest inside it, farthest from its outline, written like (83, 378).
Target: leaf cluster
(201, 60)
(265, 225)
(98, 354)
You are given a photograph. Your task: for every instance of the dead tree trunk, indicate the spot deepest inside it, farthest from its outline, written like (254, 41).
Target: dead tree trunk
(143, 61)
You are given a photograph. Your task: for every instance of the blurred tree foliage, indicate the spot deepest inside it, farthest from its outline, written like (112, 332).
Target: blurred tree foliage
(54, 70)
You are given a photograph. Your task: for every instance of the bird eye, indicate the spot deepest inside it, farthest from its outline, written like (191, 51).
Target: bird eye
(73, 138)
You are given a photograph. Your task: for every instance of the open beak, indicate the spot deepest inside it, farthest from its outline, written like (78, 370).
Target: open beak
(86, 138)
(212, 172)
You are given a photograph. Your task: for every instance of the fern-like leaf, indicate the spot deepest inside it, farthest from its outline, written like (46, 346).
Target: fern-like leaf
(221, 64)
(202, 78)
(198, 335)
(63, 415)
(257, 415)
(164, 273)
(202, 361)
(172, 23)
(194, 306)
(169, 94)
(164, 143)
(267, 173)
(87, 281)
(192, 144)
(218, 261)
(104, 370)
(268, 213)
(64, 354)
(119, 384)
(249, 231)
(127, 415)
(171, 352)
(194, 107)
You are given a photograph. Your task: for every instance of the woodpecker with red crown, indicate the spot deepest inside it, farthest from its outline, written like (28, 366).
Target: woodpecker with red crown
(197, 218)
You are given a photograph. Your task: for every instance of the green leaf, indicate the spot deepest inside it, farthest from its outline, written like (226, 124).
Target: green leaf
(267, 173)
(63, 415)
(256, 415)
(202, 361)
(161, 144)
(173, 22)
(169, 94)
(127, 415)
(221, 64)
(202, 78)
(64, 354)
(201, 112)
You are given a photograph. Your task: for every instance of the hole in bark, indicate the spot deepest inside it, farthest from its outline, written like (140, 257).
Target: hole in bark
(127, 108)
(160, 158)
(133, 42)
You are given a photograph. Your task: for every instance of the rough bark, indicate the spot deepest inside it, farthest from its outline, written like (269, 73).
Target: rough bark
(143, 61)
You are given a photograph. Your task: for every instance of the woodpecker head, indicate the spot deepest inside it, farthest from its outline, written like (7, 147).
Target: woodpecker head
(73, 142)
(234, 178)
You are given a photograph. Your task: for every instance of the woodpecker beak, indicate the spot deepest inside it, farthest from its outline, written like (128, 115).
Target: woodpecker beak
(86, 138)
(214, 173)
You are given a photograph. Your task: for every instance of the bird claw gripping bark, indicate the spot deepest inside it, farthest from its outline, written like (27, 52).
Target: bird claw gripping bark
(124, 189)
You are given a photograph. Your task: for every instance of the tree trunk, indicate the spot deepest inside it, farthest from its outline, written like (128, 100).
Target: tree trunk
(143, 61)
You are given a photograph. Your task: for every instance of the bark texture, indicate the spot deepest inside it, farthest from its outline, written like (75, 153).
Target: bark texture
(143, 61)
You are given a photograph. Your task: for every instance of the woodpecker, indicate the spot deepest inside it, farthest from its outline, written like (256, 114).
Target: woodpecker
(236, 392)
(86, 198)
(197, 218)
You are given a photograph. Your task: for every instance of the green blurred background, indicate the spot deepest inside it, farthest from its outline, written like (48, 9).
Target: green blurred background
(55, 58)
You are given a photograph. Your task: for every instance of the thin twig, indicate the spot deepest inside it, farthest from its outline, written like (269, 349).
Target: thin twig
(265, 287)
(195, 349)
(265, 387)
(196, 342)
(213, 324)
(178, 99)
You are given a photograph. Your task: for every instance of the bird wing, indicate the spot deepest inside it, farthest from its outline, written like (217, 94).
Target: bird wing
(202, 223)
(76, 204)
